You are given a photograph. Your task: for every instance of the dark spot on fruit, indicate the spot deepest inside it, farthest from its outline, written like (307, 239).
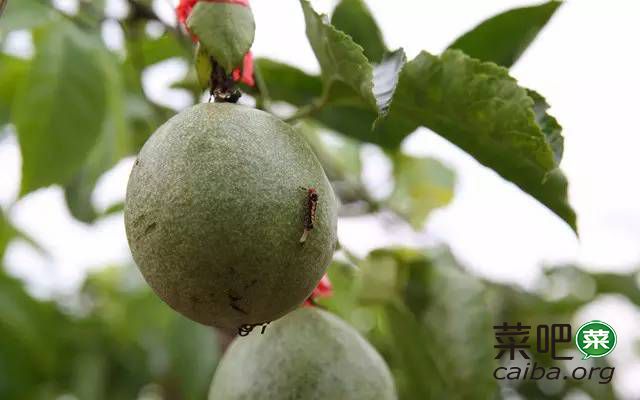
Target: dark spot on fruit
(150, 228)
(139, 220)
(235, 307)
(233, 304)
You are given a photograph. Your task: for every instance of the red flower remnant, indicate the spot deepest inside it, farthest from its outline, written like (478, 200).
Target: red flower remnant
(243, 74)
(185, 6)
(324, 289)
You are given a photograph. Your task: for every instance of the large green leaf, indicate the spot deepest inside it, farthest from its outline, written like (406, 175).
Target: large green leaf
(342, 62)
(504, 37)
(155, 50)
(287, 83)
(480, 108)
(194, 355)
(354, 18)
(59, 111)
(436, 320)
(225, 30)
(113, 144)
(421, 185)
(12, 72)
(25, 14)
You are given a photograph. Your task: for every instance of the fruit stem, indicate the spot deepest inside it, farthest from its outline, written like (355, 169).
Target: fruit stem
(222, 86)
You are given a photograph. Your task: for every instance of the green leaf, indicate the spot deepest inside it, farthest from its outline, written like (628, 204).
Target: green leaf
(194, 354)
(6, 234)
(415, 365)
(418, 295)
(287, 83)
(342, 62)
(113, 144)
(159, 49)
(581, 286)
(421, 185)
(354, 18)
(480, 108)
(339, 156)
(12, 72)
(25, 14)
(225, 30)
(59, 111)
(203, 67)
(114, 209)
(549, 125)
(348, 115)
(503, 38)
(344, 280)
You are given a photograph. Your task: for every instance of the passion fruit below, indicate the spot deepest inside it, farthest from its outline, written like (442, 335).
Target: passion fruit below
(215, 209)
(307, 355)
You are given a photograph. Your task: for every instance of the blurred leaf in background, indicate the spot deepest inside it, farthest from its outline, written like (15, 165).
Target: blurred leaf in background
(421, 185)
(432, 320)
(109, 342)
(60, 110)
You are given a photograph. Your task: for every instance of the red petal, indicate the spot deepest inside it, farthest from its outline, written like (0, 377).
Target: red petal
(324, 289)
(247, 69)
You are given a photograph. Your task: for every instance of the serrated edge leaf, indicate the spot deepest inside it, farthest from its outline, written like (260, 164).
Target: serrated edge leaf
(544, 163)
(321, 34)
(367, 27)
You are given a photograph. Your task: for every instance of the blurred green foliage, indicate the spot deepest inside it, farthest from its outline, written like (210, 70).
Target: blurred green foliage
(78, 108)
(112, 340)
(432, 320)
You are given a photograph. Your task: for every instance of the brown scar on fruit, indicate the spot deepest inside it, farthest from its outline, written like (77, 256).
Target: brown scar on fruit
(150, 228)
(233, 304)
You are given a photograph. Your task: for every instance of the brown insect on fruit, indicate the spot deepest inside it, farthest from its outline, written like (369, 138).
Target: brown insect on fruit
(310, 215)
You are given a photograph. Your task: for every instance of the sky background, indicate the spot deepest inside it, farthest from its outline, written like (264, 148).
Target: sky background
(585, 63)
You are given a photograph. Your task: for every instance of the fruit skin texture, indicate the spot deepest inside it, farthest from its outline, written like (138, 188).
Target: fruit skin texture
(309, 354)
(215, 210)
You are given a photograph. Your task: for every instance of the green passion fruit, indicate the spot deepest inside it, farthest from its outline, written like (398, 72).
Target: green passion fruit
(216, 204)
(309, 354)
